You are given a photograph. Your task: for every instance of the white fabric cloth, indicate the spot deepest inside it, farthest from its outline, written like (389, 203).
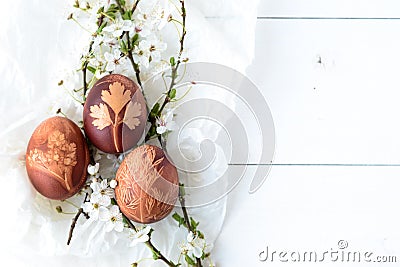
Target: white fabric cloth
(38, 46)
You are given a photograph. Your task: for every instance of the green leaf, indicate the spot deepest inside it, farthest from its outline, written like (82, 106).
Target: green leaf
(172, 93)
(135, 39)
(100, 29)
(172, 61)
(101, 10)
(194, 224)
(112, 10)
(123, 47)
(91, 69)
(121, 2)
(178, 218)
(127, 15)
(155, 108)
(189, 260)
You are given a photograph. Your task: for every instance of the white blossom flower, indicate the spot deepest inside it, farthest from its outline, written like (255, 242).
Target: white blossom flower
(93, 170)
(101, 193)
(113, 183)
(141, 53)
(151, 16)
(98, 40)
(118, 27)
(183, 247)
(195, 245)
(165, 123)
(113, 59)
(112, 217)
(92, 208)
(140, 236)
(149, 50)
(99, 74)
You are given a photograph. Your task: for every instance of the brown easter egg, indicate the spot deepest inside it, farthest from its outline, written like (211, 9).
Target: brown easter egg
(115, 114)
(57, 158)
(147, 186)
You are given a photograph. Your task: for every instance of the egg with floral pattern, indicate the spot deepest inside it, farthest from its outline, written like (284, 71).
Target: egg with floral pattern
(57, 157)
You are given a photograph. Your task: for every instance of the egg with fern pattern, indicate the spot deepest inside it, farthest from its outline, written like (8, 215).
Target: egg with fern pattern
(147, 185)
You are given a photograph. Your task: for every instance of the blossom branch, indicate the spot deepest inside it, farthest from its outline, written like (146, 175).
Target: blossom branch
(156, 252)
(128, 40)
(186, 217)
(174, 75)
(174, 71)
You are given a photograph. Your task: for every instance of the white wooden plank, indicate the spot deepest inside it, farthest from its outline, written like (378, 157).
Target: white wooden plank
(329, 8)
(344, 109)
(311, 209)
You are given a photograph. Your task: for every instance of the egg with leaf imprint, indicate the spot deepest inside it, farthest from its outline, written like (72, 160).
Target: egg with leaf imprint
(115, 114)
(57, 158)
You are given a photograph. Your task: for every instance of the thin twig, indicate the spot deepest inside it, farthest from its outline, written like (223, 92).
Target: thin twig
(84, 70)
(184, 210)
(73, 224)
(135, 5)
(134, 64)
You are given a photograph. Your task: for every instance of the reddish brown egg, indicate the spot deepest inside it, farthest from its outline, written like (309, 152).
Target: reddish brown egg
(57, 158)
(147, 185)
(115, 114)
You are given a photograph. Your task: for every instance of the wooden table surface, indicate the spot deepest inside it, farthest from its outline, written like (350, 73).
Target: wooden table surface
(330, 72)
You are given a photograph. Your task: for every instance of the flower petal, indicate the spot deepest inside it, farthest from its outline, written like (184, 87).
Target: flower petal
(190, 237)
(95, 186)
(197, 252)
(104, 200)
(114, 210)
(104, 214)
(146, 230)
(161, 129)
(87, 207)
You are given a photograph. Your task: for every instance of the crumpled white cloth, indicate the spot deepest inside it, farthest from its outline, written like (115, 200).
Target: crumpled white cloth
(37, 47)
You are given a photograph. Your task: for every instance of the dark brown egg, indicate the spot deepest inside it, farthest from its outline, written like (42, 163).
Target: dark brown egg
(147, 185)
(115, 114)
(57, 158)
